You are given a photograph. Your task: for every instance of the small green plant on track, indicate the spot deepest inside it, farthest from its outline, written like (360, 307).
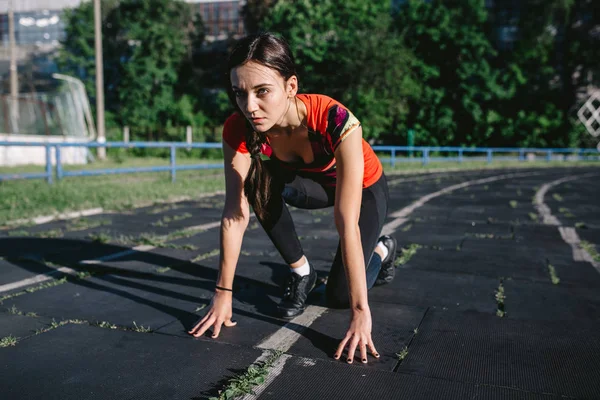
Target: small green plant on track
(244, 383)
(566, 212)
(416, 330)
(100, 237)
(204, 256)
(106, 325)
(407, 228)
(534, 217)
(519, 192)
(164, 221)
(513, 203)
(316, 220)
(162, 270)
(407, 254)
(14, 310)
(557, 197)
(141, 328)
(500, 297)
(553, 276)
(8, 341)
(580, 225)
(402, 354)
(591, 249)
(486, 187)
(51, 234)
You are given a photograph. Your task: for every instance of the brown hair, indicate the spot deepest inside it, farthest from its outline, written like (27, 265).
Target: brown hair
(273, 52)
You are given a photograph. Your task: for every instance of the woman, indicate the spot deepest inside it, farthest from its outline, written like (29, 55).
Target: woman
(317, 159)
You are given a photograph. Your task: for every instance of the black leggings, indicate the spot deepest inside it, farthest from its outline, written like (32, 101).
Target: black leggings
(304, 192)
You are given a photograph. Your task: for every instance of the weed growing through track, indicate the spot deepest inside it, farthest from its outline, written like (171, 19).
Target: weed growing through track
(591, 249)
(553, 276)
(500, 297)
(407, 254)
(580, 225)
(557, 197)
(244, 383)
(204, 256)
(402, 354)
(513, 203)
(8, 341)
(534, 217)
(141, 328)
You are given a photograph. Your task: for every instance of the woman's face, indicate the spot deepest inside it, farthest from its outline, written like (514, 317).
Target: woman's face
(262, 95)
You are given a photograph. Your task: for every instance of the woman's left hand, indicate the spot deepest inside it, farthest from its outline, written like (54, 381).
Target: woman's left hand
(359, 335)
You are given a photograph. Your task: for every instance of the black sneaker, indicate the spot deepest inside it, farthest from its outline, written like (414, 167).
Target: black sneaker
(388, 269)
(295, 294)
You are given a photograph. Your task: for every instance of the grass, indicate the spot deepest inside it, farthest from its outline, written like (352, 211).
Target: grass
(553, 276)
(164, 221)
(566, 212)
(407, 254)
(32, 289)
(25, 199)
(591, 249)
(8, 341)
(513, 203)
(204, 256)
(244, 383)
(534, 217)
(557, 197)
(500, 297)
(580, 225)
(141, 328)
(402, 354)
(81, 224)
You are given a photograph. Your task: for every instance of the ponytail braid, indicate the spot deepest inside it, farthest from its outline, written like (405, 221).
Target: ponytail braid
(257, 185)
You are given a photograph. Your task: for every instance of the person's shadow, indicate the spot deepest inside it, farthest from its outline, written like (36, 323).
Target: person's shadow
(38, 255)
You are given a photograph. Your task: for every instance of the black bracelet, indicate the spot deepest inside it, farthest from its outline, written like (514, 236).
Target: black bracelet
(222, 288)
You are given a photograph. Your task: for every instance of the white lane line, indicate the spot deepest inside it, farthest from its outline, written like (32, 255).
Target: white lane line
(401, 216)
(542, 208)
(286, 336)
(568, 234)
(36, 279)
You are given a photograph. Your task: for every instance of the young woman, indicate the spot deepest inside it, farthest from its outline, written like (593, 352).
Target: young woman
(316, 158)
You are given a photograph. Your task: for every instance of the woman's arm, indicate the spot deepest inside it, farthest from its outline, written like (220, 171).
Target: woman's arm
(234, 221)
(348, 198)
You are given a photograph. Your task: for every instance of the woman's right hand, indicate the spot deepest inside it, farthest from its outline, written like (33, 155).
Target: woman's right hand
(219, 314)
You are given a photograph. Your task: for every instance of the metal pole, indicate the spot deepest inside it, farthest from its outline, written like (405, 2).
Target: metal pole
(99, 79)
(14, 83)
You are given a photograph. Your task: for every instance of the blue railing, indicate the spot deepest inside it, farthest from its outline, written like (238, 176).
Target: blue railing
(424, 158)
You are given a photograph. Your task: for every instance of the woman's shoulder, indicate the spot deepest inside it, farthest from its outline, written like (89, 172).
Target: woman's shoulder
(318, 101)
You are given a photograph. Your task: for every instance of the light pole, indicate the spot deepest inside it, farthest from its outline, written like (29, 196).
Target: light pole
(99, 79)
(14, 83)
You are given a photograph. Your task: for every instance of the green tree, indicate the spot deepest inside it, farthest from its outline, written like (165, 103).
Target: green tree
(460, 86)
(345, 49)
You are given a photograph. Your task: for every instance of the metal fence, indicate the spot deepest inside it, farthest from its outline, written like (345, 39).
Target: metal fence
(423, 155)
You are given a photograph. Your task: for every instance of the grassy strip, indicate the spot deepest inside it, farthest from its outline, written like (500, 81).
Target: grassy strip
(29, 198)
(591, 249)
(41, 286)
(244, 383)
